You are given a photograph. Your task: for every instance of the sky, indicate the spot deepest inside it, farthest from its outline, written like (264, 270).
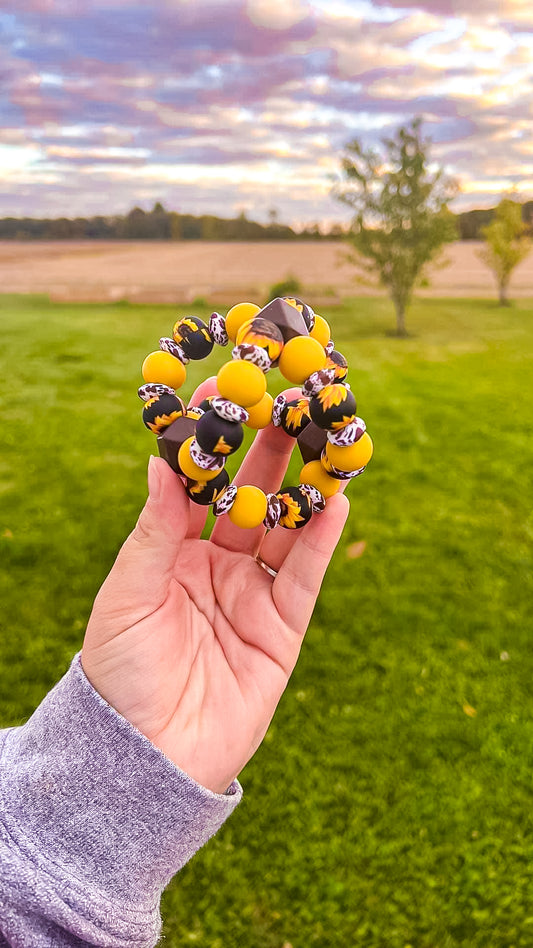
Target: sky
(225, 106)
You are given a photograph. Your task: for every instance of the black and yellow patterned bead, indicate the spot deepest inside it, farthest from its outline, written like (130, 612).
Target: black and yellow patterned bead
(333, 407)
(217, 436)
(207, 492)
(161, 410)
(294, 416)
(192, 334)
(296, 507)
(262, 333)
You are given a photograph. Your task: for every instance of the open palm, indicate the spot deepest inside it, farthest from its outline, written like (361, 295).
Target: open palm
(190, 639)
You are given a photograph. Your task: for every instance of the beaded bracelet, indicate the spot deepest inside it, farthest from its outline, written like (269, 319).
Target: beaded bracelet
(196, 441)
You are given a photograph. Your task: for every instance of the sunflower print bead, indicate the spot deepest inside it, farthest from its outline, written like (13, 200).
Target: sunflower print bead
(333, 407)
(193, 336)
(296, 508)
(336, 361)
(217, 436)
(161, 410)
(294, 416)
(263, 333)
(207, 492)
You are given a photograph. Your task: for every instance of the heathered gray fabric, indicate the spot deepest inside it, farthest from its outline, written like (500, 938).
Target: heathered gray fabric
(94, 822)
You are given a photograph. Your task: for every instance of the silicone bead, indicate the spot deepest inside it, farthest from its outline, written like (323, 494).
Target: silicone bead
(162, 367)
(207, 492)
(217, 436)
(273, 511)
(206, 403)
(317, 381)
(208, 462)
(241, 382)
(238, 315)
(300, 357)
(296, 508)
(193, 336)
(348, 435)
(286, 317)
(194, 412)
(263, 333)
(279, 404)
(217, 329)
(353, 457)
(321, 331)
(254, 354)
(225, 502)
(161, 410)
(260, 415)
(337, 362)
(249, 508)
(168, 345)
(295, 416)
(227, 410)
(318, 501)
(306, 311)
(335, 472)
(188, 467)
(170, 440)
(155, 388)
(313, 473)
(311, 442)
(334, 407)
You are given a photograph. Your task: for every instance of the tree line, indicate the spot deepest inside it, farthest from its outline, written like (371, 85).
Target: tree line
(160, 224)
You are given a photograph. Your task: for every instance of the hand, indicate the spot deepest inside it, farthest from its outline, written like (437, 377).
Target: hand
(191, 640)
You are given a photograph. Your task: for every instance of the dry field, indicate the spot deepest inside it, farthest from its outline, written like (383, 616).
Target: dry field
(153, 271)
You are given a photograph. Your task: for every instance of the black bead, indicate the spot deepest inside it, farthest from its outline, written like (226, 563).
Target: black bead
(215, 435)
(193, 335)
(207, 492)
(161, 410)
(294, 416)
(334, 407)
(296, 508)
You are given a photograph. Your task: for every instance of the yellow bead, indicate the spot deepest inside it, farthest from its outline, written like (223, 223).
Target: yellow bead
(249, 508)
(353, 457)
(301, 356)
(190, 468)
(321, 331)
(241, 382)
(313, 473)
(260, 415)
(238, 315)
(162, 367)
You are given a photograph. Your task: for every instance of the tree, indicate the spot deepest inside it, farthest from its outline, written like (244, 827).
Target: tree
(401, 217)
(507, 243)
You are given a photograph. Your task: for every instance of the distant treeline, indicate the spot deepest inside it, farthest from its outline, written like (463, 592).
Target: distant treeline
(160, 224)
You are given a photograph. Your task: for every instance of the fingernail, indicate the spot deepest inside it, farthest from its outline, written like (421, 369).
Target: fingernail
(154, 479)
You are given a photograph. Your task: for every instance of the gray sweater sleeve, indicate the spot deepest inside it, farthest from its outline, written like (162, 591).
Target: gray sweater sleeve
(94, 822)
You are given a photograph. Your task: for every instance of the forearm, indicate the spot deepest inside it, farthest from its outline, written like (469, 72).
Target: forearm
(94, 822)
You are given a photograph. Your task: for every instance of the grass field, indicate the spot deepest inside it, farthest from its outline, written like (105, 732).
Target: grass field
(390, 805)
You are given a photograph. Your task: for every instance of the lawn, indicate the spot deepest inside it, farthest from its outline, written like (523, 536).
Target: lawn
(391, 802)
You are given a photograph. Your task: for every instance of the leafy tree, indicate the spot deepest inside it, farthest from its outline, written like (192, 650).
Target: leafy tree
(401, 217)
(507, 243)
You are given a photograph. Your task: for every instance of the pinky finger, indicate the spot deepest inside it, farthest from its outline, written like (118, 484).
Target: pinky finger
(296, 587)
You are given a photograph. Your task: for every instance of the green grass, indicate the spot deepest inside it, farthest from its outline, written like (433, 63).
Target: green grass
(391, 802)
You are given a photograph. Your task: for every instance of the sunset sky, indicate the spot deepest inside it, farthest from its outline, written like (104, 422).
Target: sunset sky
(219, 106)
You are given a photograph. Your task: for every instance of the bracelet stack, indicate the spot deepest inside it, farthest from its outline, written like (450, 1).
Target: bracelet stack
(196, 441)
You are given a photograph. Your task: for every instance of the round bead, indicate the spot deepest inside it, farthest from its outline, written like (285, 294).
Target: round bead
(155, 388)
(217, 436)
(217, 329)
(207, 492)
(260, 415)
(321, 331)
(304, 308)
(273, 511)
(168, 345)
(335, 472)
(338, 363)
(353, 457)
(241, 382)
(294, 417)
(161, 410)
(313, 473)
(162, 367)
(249, 508)
(205, 404)
(254, 354)
(301, 356)
(348, 435)
(226, 501)
(296, 508)
(333, 407)
(188, 467)
(238, 315)
(261, 332)
(193, 336)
